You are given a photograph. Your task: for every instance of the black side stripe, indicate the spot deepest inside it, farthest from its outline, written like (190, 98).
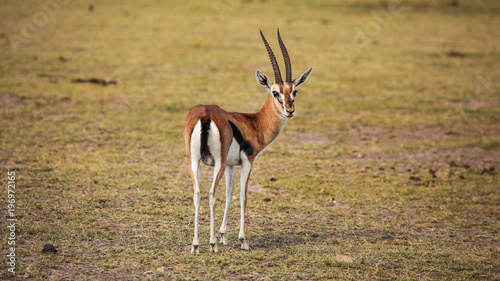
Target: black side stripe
(244, 144)
(204, 150)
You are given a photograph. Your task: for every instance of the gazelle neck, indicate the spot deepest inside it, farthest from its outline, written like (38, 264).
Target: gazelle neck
(271, 121)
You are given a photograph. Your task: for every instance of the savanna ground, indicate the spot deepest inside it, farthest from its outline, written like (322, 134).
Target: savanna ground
(388, 171)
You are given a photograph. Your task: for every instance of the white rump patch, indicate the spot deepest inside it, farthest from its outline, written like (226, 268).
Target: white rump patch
(196, 142)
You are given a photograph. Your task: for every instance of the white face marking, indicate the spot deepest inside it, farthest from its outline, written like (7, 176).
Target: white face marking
(294, 91)
(281, 100)
(276, 89)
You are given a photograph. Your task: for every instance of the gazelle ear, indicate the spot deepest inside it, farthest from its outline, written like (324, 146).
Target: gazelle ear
(262, 80)
(302, 78)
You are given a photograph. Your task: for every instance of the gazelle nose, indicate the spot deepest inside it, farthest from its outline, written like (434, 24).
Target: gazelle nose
(290, 111)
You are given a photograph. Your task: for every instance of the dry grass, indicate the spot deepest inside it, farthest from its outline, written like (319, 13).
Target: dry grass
(392, 160)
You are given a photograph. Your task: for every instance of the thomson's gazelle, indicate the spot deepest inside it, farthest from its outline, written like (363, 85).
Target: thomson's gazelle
(227, 139)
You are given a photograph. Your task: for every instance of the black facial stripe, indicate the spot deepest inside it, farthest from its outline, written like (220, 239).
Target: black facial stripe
(244, 145)
(206, 156)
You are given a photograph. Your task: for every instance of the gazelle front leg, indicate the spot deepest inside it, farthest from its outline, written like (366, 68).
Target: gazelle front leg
(246, 168)
(229, 200)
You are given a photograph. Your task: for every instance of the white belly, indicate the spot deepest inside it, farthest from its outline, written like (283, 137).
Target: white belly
(233, 156)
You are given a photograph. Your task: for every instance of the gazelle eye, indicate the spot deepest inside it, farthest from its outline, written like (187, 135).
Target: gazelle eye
(277, 96)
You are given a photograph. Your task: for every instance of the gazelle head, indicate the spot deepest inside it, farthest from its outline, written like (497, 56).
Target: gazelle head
(284, 93)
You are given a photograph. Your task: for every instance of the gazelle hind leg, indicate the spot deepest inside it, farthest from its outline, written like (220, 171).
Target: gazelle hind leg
(218, 172)
(229, 199)
(215, 145)
(246, 168)
(195, 175)
(194, 155)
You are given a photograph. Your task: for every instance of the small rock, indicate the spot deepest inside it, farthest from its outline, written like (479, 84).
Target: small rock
(433, 173)
(338, 205)
(257, 188)
(415, 178)
(49, 248)
(179, 267)
(266, 199)
(164, 268)
(456, 54)
(272, 179)
(488, 171)
(98, 81)
(342, 258)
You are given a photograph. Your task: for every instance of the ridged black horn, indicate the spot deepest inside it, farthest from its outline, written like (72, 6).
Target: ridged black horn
(286, 57)
(274, 63)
